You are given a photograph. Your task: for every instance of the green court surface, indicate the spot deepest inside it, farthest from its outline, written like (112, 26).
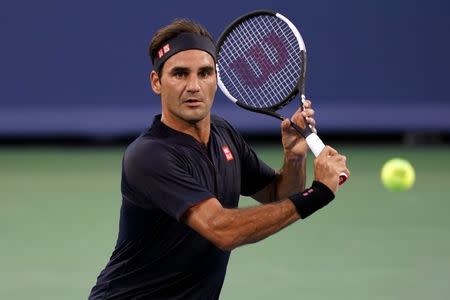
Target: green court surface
(59, 212)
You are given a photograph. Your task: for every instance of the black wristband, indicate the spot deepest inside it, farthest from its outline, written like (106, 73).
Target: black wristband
(312, 199)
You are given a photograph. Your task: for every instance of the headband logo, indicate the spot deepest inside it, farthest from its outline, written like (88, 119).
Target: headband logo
(182, 42)
(163, 50)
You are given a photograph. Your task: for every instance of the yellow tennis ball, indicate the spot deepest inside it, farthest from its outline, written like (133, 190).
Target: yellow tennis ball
(398, 175)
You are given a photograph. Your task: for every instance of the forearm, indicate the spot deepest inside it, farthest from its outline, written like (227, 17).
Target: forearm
(244, 226)
(231, 228)
(238, 227)
(290, 179)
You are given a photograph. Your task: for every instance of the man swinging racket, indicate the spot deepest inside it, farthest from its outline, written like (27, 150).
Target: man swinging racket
(183, 176)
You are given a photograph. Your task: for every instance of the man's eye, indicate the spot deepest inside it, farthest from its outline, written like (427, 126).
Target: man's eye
(179, 74)
(205, 73)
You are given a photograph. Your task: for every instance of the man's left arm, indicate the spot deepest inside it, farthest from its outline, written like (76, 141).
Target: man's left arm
(291, 178)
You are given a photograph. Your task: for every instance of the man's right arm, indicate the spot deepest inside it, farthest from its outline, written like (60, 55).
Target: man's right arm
(231, 228)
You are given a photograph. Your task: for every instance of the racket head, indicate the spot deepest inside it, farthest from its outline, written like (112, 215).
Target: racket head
(261, 61)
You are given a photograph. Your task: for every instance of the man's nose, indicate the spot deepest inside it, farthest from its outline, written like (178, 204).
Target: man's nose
(193, 84)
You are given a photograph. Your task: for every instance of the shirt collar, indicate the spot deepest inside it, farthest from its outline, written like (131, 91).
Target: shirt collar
(162, 131)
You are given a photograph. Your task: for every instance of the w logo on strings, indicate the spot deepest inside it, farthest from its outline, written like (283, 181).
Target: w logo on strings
(261, 60)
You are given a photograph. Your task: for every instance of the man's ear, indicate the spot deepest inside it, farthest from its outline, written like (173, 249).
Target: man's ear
(155, 83)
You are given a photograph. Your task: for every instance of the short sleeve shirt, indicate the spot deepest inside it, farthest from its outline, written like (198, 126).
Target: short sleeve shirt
(164, 173)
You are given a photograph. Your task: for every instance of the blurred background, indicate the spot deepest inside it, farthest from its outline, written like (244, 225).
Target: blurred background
(74, 92)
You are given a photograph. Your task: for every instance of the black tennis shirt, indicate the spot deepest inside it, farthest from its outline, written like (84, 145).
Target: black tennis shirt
(164, 173)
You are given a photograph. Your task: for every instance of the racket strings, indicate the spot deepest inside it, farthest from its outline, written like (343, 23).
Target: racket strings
(259, 62)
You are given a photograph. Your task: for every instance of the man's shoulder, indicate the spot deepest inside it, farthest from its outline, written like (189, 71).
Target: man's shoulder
(146, 142)
(146, 148)
(220, 122)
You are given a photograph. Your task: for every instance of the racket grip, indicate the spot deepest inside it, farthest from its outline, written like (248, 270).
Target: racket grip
(316, 145)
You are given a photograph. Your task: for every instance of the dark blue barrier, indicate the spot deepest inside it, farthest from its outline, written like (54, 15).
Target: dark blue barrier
(80, 67)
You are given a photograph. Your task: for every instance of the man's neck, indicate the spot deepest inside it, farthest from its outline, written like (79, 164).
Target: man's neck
(199, 130)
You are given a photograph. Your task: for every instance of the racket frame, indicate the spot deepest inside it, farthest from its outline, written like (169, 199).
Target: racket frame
(298, 88)
(314, 142)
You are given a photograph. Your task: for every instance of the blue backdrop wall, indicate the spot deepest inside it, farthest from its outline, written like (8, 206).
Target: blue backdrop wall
(81, 67)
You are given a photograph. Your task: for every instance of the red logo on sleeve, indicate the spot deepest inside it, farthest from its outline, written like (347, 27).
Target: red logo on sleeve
(227, 153)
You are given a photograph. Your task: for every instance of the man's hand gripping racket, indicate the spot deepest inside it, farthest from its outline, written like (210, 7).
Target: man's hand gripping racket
(261, 66)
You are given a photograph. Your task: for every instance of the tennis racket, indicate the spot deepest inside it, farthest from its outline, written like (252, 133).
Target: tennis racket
(261, 67)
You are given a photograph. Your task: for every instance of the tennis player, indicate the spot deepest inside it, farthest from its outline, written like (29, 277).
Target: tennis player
(182, 178)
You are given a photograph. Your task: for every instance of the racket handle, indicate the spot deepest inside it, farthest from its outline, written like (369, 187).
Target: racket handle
(316, 145)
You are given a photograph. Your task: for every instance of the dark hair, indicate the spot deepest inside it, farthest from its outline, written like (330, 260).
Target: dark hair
(171, 31)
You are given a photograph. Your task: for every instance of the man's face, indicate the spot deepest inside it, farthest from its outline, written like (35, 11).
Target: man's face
(187, 86)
